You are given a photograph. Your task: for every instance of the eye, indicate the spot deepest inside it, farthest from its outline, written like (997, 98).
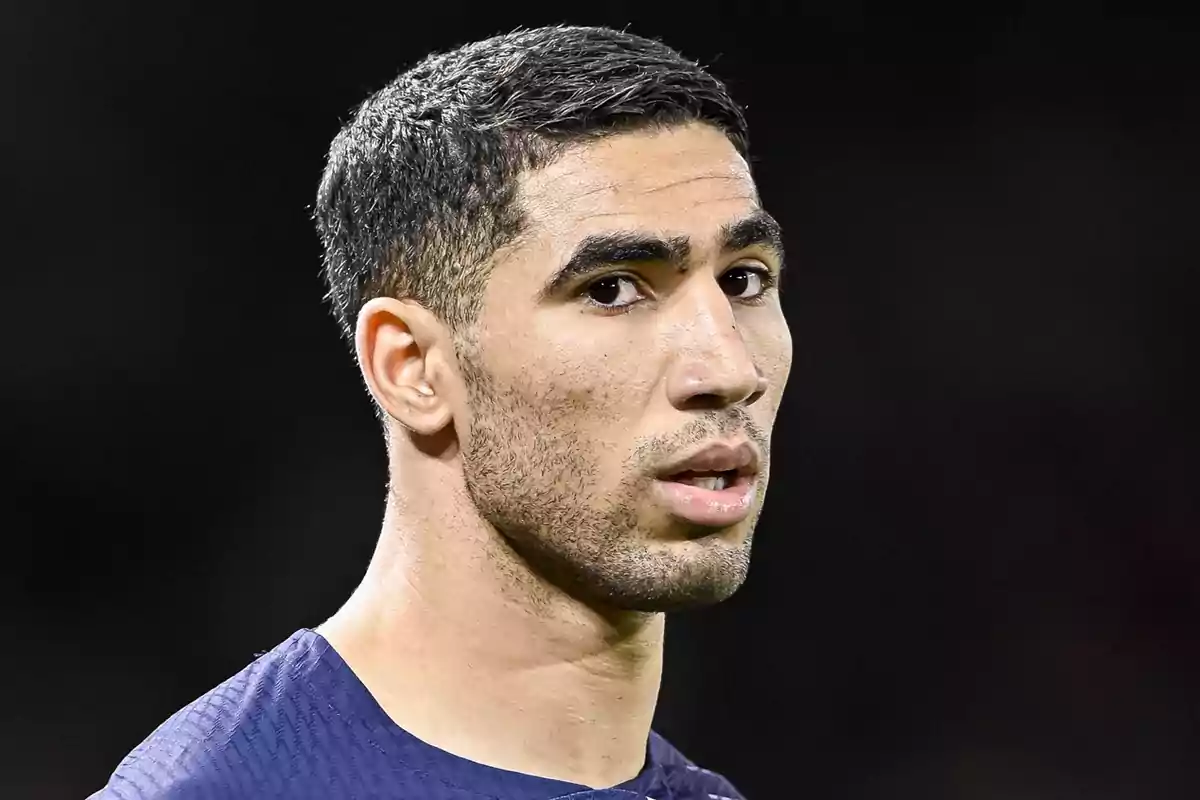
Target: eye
(747, 283)
(612, 292)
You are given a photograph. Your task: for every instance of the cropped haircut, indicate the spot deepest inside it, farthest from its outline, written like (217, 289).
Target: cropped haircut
(419, 189)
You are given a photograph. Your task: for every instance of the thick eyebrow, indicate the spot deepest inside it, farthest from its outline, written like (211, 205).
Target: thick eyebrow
(624, 247)
(757, 230)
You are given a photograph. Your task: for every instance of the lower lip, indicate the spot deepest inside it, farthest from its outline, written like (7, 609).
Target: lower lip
(712, 508)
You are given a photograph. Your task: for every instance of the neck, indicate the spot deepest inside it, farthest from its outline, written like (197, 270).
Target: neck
(469, 650)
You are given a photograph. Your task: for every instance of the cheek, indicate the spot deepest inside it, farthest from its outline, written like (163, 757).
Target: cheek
(772, 350)
(596, 390)
(772, 339)
(781, 358)
(581, 382)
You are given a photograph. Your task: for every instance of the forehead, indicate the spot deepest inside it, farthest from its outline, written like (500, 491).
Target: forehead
(687, 180)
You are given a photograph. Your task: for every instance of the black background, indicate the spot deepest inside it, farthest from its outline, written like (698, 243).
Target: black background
(978, 574)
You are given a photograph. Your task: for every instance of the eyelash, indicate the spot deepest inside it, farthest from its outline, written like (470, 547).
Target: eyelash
(769, 281)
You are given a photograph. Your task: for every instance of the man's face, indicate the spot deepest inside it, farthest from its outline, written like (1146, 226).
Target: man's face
(587, 391)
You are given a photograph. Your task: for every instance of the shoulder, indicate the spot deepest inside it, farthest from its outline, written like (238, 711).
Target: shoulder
(688, 779)
(240, 736)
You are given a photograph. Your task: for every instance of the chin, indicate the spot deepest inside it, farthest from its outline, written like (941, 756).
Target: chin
(684, 598)
(680, 581)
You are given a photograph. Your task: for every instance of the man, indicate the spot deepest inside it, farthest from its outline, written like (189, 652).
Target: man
(550, 256)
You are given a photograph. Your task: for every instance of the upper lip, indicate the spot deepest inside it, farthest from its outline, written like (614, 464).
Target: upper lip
(740, 457)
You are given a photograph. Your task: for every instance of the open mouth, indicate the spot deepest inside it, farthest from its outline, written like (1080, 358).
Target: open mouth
(712, 481)
(708, 498)
(714, 487)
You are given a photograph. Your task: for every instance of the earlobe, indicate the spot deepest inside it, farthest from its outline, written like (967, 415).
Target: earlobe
(394, 341)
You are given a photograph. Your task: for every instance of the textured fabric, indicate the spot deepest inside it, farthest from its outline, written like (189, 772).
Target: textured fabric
(297, 723)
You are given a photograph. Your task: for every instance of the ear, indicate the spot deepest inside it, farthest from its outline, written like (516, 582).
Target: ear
(399, 345)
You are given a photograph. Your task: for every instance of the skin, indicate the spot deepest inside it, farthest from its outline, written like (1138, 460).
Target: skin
(513, 611)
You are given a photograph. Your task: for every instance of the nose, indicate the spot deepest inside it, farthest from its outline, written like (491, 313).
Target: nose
(714, 368)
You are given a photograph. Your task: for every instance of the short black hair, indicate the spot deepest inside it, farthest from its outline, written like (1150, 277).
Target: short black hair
(419, 188)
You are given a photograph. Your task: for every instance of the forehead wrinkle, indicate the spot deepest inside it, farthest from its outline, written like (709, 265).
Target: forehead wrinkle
(548, 202)
(693, 179)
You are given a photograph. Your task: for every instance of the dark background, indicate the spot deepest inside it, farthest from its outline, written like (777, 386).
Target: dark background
(978, 574)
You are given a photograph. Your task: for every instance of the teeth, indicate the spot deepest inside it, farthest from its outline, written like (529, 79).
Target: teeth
(715, 483)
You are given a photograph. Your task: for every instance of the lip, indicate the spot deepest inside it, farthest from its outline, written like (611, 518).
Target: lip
(713, 509)
(707, 507)
(740, 457)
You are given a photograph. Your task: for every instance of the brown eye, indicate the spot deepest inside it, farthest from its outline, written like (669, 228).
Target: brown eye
(744, 283)
(613, 291)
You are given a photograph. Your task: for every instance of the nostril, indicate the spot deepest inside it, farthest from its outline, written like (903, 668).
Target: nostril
(708, 401)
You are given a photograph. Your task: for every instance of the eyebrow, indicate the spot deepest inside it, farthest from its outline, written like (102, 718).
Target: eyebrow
(624, 247)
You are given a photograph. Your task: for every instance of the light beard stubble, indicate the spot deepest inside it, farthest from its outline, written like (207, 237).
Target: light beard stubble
(533, 476)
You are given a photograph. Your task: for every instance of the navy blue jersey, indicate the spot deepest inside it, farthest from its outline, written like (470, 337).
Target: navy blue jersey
(297, 723)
